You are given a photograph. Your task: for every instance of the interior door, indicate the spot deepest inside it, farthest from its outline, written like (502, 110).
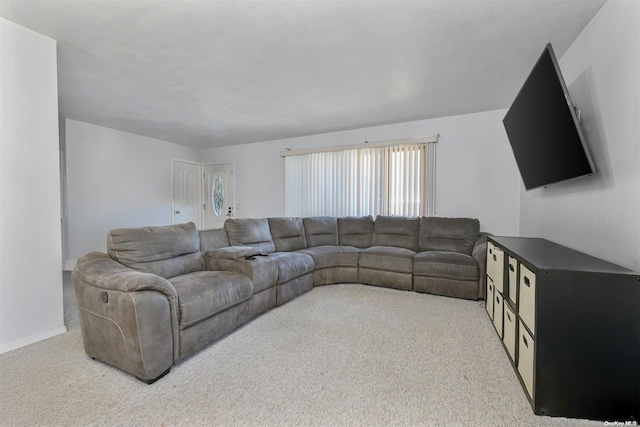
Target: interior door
(186, 192)
(219, 195)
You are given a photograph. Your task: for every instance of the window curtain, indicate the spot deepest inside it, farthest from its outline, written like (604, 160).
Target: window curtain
(373, 181)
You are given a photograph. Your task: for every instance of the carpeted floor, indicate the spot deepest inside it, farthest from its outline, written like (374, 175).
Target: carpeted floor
(339, 355)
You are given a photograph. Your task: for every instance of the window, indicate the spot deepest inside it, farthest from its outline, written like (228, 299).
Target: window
(371, 179)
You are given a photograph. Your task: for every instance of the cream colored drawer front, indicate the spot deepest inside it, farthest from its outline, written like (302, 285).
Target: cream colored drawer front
(510, 331)
(489, 305)
(498, 304)
(490, 264)
(527, 303)
(525, 358)
(513, 279)
(495, 267)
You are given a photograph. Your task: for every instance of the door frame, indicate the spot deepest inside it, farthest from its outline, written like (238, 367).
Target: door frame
(199, 190)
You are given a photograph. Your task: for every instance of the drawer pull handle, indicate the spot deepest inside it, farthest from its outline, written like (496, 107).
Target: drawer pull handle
(509, 317)
(527, 281)
(511, 268)
(490, 250)
(497, 300)
(524, 340)
(495, 258)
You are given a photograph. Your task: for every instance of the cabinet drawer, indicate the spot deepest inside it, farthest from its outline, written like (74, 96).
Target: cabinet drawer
(490, 291)
(495, 265)
(527, 303)
(525, 358)
(498, 304)
(510, 331)
(490, 248)
(513, 279)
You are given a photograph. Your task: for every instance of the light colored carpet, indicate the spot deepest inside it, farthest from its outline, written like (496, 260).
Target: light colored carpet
(339, 355)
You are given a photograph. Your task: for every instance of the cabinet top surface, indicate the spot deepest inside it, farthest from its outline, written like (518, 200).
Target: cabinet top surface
(548, 255)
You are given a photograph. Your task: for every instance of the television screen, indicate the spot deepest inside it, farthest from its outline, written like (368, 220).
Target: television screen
(543, 128)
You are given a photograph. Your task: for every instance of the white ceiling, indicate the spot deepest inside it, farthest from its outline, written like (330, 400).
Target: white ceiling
(216, 73)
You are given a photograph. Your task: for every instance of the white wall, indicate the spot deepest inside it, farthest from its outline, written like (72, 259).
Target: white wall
(115, 179)
(600, 214)
(30, 237)
(476, 174)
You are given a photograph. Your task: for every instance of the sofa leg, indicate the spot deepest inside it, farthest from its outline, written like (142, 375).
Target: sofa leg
(153, 380)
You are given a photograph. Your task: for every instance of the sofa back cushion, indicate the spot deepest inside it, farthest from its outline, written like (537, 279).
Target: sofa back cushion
(321, 231)
(250, 232)
(355, 231)
(396, 231)
(448, 234)
(212, 239)
(166, 251)
(288, 234)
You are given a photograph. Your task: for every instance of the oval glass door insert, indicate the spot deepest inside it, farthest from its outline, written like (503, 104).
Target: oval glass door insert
(218, 195)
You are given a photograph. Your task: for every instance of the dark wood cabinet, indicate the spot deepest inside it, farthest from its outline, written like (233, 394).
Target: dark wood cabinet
(571, 327)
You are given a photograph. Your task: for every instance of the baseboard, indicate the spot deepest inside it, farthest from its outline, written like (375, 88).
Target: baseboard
(32, 339)
(69, 265)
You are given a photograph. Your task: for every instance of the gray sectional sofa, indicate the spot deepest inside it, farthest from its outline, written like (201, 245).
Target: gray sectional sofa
(160, 294)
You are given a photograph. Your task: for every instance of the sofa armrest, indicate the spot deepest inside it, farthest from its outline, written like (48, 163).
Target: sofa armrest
(234, 252)
(129, 319)
(480, 255)
(99, 270)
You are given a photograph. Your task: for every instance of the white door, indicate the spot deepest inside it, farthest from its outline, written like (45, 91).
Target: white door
(186, 192)
(219, 195)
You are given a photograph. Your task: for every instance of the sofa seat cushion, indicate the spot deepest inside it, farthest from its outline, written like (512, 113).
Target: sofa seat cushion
(387, 258)
(206, 293)
(292, 265)
(446, 265)
(333, 256)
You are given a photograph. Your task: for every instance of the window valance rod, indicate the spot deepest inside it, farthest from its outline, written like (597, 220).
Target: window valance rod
(388, 143)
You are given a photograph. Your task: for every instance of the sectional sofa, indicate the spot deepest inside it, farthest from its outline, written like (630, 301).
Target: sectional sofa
(160, 294)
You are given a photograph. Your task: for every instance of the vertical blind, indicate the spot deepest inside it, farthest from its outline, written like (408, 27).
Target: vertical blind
(389, 180)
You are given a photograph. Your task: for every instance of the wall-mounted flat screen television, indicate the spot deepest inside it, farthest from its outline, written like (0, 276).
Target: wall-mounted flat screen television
(543, 128)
